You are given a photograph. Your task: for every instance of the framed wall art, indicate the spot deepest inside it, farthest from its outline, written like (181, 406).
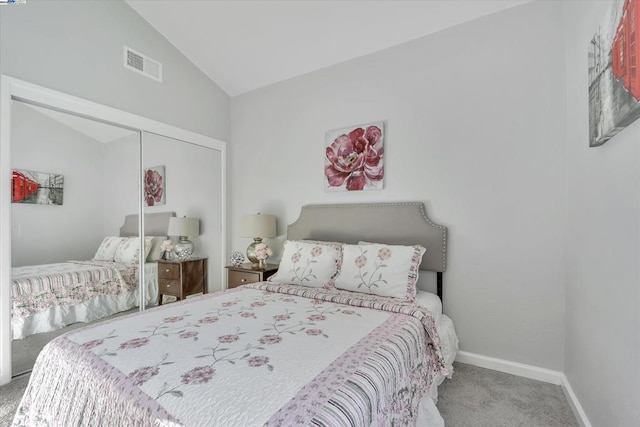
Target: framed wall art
(154, 186)
(38, 188)
(614, 76)
(354, 158)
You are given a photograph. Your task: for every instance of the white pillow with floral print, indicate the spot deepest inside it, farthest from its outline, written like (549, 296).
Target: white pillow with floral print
(385, 270)
(107, 249)
(129, 250)
(310, 264)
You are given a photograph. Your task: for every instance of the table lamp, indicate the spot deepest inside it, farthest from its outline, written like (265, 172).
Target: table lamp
(184, 228)
(257, 226)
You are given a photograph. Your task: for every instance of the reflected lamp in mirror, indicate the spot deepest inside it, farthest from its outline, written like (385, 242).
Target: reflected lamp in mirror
(184, 228)
(257, 226)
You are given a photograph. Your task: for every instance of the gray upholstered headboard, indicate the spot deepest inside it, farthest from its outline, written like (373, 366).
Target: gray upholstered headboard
(155, 224)
(402, 223)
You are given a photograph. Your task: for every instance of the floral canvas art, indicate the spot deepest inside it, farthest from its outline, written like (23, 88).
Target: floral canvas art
(354, 158)
(154, 186)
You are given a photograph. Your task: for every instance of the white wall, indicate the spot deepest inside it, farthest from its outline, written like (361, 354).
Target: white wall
(602, 351)
(474, 128)
(43, 234)
(121, 177)
(76, 47)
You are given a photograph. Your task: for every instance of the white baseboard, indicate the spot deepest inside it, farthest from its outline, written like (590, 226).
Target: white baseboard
(528, 371)
(513, 368)
(576, 407)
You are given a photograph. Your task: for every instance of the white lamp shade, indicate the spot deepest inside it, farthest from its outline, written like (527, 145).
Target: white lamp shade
(258, 225)
(184, 227)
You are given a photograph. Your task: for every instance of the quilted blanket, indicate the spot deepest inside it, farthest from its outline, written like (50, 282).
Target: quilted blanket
(263, 354)
(38, 287)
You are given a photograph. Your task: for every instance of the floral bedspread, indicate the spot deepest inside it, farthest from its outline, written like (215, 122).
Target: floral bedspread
(38, 287)
(263, 354)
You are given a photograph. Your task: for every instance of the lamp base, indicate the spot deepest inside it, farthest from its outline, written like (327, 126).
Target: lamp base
(184, 248)
(251, 253)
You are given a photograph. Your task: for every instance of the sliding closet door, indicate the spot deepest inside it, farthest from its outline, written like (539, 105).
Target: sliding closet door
(187, 180)
(74, 180)
(98, 190)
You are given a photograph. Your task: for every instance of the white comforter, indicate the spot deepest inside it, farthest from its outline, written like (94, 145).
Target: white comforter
(271, 355)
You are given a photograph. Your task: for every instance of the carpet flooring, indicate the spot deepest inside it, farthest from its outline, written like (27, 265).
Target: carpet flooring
(475, 397)
(10, 396)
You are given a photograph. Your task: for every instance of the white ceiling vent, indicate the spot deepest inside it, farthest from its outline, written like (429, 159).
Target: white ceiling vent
(142, 64)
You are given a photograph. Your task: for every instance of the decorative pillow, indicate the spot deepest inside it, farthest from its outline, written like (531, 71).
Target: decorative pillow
(385, 270)
(306, 263)
(129, 250)
(107, 249)
(155, 248)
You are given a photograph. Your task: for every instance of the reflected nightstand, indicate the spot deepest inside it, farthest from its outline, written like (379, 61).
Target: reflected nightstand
(182, 278)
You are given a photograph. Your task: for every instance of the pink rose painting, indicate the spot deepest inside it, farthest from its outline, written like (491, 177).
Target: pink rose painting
(354, 158)
(154, 188)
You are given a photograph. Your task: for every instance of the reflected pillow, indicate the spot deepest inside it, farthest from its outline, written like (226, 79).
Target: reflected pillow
(107, 249)
(155, 248)
(129, 250)
(385, 270)
(312, 264)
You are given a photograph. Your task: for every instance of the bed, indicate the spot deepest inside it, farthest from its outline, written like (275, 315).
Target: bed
(51, 296)
(273, 353)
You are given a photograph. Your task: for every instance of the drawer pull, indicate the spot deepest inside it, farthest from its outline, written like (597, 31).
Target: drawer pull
(168, 286)
(167, 270)
(243, 280)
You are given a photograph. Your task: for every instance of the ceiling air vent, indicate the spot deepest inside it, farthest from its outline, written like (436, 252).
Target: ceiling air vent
(142, 64)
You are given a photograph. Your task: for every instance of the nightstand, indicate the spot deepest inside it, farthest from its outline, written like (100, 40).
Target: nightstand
(182, 278)
(244, 274)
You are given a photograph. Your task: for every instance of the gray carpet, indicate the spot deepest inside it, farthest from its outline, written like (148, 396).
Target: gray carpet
(10, 396)
(475, 397)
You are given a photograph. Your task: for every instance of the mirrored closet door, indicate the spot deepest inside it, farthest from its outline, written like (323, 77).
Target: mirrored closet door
(185, 180)
(86, 183)
(73, 181)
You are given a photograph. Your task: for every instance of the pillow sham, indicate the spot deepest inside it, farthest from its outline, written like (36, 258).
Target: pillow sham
(107, 249)
(129, 250)
(385, 270)
(155, 248)
(308, 263)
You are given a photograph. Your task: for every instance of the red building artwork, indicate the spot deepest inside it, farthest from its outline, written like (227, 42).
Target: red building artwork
(625, 49)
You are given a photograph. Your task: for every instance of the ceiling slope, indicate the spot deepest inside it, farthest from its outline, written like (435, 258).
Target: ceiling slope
(245, 45)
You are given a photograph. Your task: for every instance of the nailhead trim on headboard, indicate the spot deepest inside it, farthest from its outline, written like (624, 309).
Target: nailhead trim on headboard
(419, 205)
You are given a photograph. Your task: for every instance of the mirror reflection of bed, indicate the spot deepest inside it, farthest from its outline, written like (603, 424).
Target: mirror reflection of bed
(48, 298)
(84, 152)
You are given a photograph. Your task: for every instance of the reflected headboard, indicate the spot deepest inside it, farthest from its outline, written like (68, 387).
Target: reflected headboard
(401, 223)
(155, 224)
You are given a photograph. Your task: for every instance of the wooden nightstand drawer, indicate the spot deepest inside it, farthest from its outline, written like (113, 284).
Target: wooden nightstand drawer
(244, 274)
(169, 271)
(182, 278)
(237, 278)
(170, 286)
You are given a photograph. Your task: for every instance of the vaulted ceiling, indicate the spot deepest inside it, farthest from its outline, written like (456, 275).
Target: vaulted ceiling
(245, 45)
